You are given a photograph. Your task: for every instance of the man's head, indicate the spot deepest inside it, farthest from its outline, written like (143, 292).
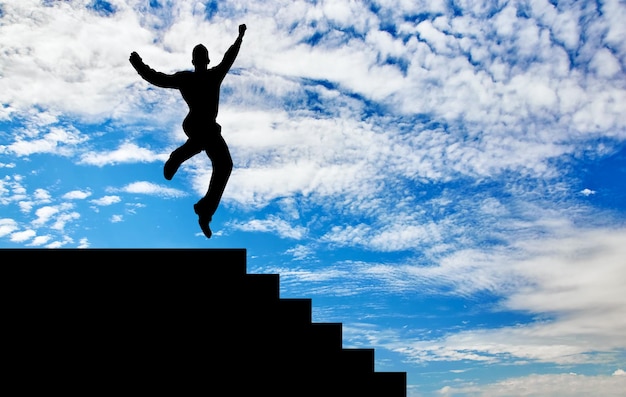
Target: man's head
(200, 57)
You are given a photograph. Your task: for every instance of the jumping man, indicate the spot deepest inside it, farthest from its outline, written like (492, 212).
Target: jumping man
(201, 90)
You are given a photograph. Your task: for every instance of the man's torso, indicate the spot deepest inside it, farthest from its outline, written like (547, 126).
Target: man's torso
(201, 92)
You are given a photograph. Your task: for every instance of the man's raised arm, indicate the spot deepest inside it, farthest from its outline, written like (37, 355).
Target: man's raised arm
(150, 75)
(231, 54)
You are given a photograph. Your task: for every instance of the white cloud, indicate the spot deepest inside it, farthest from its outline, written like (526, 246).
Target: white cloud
(106, 200)
(587, 192)
(12, 189)
(565, 385)
(291, 275)
(40, 240)
(76, 195)
(56, 244)
(65, 240)
(26, 206)
(117, 218)
(59, 141)
(44, 214)
(282, 155)
(39, 197)
(79, 58)
(42, 196)
(56, 216)
(577, 274)
(605, 64)
(571, 281)
(7, 226)
(149, 188)
(348, 235)
(394, 236)
(62, 219)
(23, 236)
(435, 38)
(300, 252)
(126, 153)
(274, 225)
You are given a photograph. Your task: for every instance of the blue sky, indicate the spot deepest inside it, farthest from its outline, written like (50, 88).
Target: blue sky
(445, 178)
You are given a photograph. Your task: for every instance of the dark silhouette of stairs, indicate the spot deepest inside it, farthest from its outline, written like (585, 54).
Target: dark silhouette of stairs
(174, 322)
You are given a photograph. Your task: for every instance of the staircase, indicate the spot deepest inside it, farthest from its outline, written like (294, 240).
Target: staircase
(174, 322)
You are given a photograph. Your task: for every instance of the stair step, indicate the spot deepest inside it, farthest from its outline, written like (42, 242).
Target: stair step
(329, 336)
(389, 384)
(357, 360)
(295, 312)
(262, 287)
(146, 264)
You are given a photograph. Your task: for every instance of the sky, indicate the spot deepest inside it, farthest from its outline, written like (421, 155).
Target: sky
(445, 178)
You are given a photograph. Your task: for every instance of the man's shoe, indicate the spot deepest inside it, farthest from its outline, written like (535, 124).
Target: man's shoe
(169, 169)
(203, 221)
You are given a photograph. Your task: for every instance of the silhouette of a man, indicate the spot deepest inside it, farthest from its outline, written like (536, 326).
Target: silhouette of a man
(201, 90)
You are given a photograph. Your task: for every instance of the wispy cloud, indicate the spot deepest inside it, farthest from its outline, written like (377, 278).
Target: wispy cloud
(12, 189)
(117, 218)
(57, 141)
(57, 216)
(149, 188)
(126, 153)
(63, 219)
(301, 252)
(40, 196)
(273, 225)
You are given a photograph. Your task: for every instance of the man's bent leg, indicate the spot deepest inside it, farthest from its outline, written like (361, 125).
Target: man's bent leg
(179, 156)
(222, 167)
